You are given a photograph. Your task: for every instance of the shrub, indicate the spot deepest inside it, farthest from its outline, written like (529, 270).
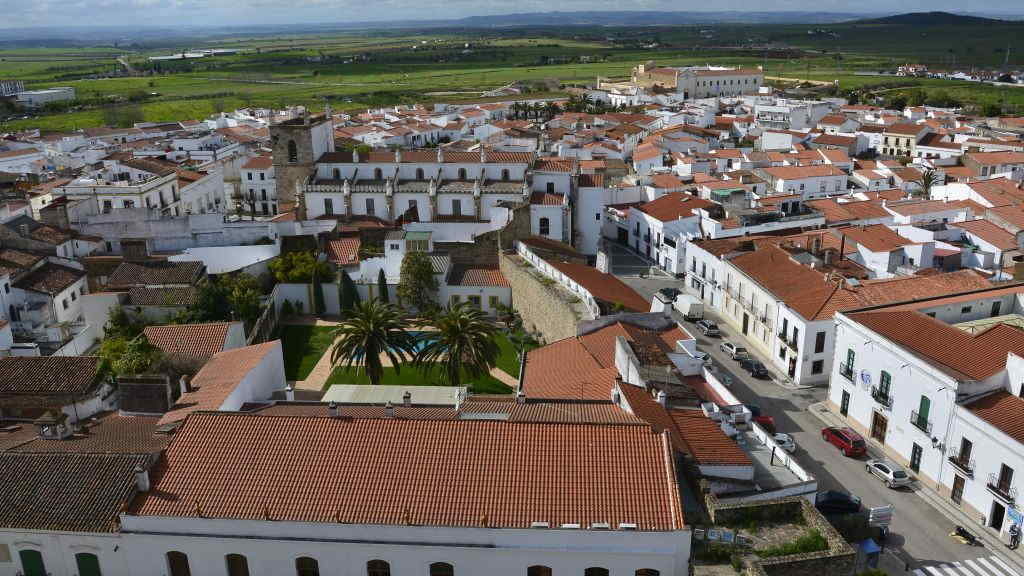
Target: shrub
(810, 541)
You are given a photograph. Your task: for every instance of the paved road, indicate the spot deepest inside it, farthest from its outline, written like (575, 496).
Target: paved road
(919, 533)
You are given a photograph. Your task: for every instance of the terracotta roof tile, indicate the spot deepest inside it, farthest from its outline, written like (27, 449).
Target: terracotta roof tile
(262, 162)
(172, 297)
(552, 164)
(344, 251)
(155, 273)
(496, 474)
(876, 238)
(189, 340)
(705, 441)
(47, 375)
(798, 172)
(466, 275)
(674, 206)
(990, 232)
(217, 379)
(996, 158)
(603, 287)
(1003, 411)
(106, 433)
(82, 492)
(541, 198)
(50, 279)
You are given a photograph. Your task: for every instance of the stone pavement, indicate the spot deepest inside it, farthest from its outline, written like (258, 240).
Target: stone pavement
(1014, 558)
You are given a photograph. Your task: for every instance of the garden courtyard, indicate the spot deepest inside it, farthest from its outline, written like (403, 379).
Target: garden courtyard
(307, 359)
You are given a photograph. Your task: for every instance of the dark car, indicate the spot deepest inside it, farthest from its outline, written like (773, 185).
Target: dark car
(836, 502)
(763, 420)
(755, 367)
(670, 293)
(707, 327)
(849, 442)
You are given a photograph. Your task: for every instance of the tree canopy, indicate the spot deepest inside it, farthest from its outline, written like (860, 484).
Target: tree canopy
(298, 267)
(417, 286)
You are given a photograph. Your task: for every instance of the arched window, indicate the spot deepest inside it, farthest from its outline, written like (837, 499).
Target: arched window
(462, 173)
(88, 564)
(378, 174)
(647, 572)
(378, 568)
(505, 174)
(419, 173)
(337, 174)
(177, 564)
(32, 563)
(595, 571)
(306, 566)
(538, 571)
(238, 565)
(442, 569)
(293, 152)
(545, 227)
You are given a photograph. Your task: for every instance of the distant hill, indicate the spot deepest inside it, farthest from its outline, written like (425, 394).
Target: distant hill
(650, 18)
(931, 19)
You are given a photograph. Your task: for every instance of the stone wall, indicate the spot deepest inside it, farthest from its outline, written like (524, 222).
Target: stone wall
(838, 560)
(484, 249)
(544, 307)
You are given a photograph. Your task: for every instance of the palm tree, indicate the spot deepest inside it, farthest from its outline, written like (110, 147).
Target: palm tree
(928, 180)
(372, 328)
(464, 341)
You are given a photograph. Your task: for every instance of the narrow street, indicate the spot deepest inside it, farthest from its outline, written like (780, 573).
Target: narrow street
(919, 533)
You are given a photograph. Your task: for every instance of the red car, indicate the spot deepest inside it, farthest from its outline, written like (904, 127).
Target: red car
(848, 441)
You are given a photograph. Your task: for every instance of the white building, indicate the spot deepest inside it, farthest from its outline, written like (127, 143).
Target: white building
(258, 187)
(40, 98)
(935, 383)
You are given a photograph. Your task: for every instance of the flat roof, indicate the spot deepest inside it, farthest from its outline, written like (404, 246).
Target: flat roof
(381, 394)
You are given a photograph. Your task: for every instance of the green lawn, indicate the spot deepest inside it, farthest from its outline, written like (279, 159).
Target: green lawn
(508, 361)
(303, 347)
(410, 376)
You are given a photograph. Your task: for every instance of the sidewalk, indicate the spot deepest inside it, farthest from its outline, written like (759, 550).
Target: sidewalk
(1015, 558)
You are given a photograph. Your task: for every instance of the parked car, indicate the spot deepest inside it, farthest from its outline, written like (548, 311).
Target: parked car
(763, 420)
(836, 502)
(755, 367)
(670, 293)
(702, 356)
(888, 472)
(786, 442)
(707, 328)
(732, 350)
(849, 442)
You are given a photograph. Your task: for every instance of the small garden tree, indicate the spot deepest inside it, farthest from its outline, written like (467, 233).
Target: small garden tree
(300, 267)
(373, 328)
(382, 286)
(348, 296)
(417, 286)
(464, 342)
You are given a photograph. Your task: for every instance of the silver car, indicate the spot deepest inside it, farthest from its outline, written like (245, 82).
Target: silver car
(891, 474)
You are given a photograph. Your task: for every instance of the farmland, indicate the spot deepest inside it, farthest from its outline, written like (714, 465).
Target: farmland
(358, 70)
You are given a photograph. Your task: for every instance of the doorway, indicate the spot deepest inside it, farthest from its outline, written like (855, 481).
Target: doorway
(88, 564)
(844, 406)
(958, 489)
(32, 563)
(995, 519)
(746, 323)
(915, 457)
(792, 367)
(879, 426)
(995, 308)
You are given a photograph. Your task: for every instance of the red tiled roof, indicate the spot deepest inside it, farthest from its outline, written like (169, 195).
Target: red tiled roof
(705, 441)
(989, 232)
(968, 356)
(666, 181)
(797, 172)
(550, 164)
(603, 287)
(1003, 411)
(876, 238)
(996, 158)
(212, 385)
(464, 275)
(998, 191)
(673, 206)
(904, 129)
(263, 162)
(344, 251)
(495, 474)
(591, 181)
(189, 340)
(541, 198)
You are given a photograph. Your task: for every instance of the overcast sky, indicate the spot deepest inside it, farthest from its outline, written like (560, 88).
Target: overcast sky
(18, 13)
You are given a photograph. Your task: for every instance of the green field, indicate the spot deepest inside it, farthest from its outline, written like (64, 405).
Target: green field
(358, 70)
(410, 376)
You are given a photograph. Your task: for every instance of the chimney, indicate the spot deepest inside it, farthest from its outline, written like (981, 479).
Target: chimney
(407, 398)
(332, 410)
(289, 394)
(520, 397)
(662, 397)
(185, 385)
(389, 410)
(141, 479)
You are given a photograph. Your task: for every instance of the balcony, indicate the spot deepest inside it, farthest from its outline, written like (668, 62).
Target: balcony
(1002, 489)
(846, 371)
(965, 465)
(920, 422)
(787, 341)
(883, 397)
